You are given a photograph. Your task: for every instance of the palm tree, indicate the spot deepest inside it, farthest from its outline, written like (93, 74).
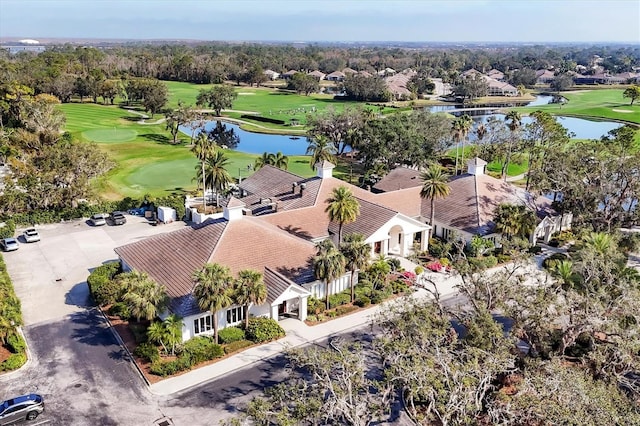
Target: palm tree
(213, 291)
(466, 123)
(203, 148)
(320, 148)
(515, 121)
(481, 132)
(328, 266)
(281, 161)
(249, 290)
(514, 220)
(144, 297)
(434, 185)
(157, 332)
(342, 207)
(356, 253)
(216, 174)
(263, 160)
(600, 242)
(563, 271)
(173, 325)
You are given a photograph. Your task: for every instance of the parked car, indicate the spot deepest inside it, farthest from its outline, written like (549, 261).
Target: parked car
(9, 244)
(99, 219)
(25, 407)
(118, 218)
(31, 235)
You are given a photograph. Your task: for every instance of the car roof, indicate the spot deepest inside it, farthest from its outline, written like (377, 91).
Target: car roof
(30, 230)
(10, 240)
(24, 398)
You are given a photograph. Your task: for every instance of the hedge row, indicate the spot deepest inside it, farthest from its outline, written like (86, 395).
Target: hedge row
(262, 119)
(11, 311)
(87, 210)
(102, 287)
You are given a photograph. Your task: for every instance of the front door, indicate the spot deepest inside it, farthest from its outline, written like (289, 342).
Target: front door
(282, 308)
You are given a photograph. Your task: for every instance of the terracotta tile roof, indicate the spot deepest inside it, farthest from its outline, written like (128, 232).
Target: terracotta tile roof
(171, 259)
(266, 178)
(406, 201)
(277, 284)
(234, 202)
(398, 178)
(349, 71)
(250, 243)
(371, 218)
(473, 200)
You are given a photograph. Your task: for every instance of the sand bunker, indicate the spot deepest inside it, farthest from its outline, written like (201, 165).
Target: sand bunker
(245, 93)
(621, 110)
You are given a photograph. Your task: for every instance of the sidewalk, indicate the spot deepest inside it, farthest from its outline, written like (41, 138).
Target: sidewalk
(298, 334)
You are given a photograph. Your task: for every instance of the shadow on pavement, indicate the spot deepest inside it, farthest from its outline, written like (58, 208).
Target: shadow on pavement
(79, 296)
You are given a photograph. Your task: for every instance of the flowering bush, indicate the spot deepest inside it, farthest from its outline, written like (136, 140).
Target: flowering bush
(434, 266)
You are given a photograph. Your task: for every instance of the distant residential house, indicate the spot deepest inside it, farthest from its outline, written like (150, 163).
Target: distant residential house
(397, 86)
(348, 71)
(335, 76)
(365, 74)
(272, 75)
(496, 74)
(318, 75)
(500, 88)
(287, 75)
(387, 72)
(544, 76)
(470, 73)
(628, 77)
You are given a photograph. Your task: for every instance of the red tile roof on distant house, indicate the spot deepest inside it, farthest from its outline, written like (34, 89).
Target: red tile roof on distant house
(398, 178)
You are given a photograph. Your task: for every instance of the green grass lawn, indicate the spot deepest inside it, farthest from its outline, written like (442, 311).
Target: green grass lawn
(604, 103)
(147, 163)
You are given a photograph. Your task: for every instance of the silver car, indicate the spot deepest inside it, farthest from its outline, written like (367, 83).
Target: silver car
(99, 219)
(25, 407)
(31, 235)
(9, 244)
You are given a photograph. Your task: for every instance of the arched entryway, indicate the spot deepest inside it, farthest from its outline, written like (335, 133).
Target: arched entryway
(397, 241)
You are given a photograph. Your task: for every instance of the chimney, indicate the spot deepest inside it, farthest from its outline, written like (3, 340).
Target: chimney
(233, 210)
(303, 186)
(475, 166)
(324, 169)
(293, 187)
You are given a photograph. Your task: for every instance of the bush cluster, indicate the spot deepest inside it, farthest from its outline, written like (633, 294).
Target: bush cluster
(315, 306)
(9, 229)
(196, 350)
(14, 362)
(484, 262)
(120, 309)
(11, 312)
(230, 335)
(263, 330)
(102, 287)
(18, 348)
(339, 299)
(362, 301)
(554, 258)
(147, 351)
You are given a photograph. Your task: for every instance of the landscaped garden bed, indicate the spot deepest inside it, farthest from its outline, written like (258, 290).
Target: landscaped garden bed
(13, 349)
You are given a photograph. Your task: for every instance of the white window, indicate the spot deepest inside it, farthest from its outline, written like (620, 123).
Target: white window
(202, 325)
(235, 315)
(446, 233)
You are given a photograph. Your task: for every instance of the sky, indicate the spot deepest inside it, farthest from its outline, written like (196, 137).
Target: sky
(326, 20)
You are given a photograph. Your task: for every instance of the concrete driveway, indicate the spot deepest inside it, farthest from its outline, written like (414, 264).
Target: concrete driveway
(75, 362)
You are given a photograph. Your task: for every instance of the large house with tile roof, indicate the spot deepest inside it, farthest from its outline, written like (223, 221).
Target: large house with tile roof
(272, 227)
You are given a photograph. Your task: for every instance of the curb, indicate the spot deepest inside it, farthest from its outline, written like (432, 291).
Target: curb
(123, 346)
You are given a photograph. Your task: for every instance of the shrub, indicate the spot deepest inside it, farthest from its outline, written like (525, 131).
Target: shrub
(147, 352)
(14, 362)
(201, 349)
(230, 334)
(101, 284)
(503, 258)
(315, 306)
(418, 270)
(120, 309)
(483, 262)
(8, 229)
(554, 258)
(434, 266)
(377, 297)
(399, 287)
(263, 330)
(339, 299)
(16, 344)
(362, 301)
(535, 250)
(437, 247)
(236, 346)
(139, 332)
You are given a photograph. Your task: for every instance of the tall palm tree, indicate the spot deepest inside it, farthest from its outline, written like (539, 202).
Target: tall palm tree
(328, 266)
(466, 123)
(173, 324)
(514, 220)
(320, 148)
(249, 290)
(434, 185)
(342, 207)
(515, 122)
(144, 297)
(263, 160)
(356, 253)
(213, 291)
(203, 148)
(281, 161)
(216, 174)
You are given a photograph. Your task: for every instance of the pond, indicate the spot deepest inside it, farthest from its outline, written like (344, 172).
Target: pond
(257, 143)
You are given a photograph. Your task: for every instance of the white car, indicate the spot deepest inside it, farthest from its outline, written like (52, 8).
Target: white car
(31, 235)
(99, 219)
(9, 244)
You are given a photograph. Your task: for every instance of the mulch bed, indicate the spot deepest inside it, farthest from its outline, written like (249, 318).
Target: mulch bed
(4, 353)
